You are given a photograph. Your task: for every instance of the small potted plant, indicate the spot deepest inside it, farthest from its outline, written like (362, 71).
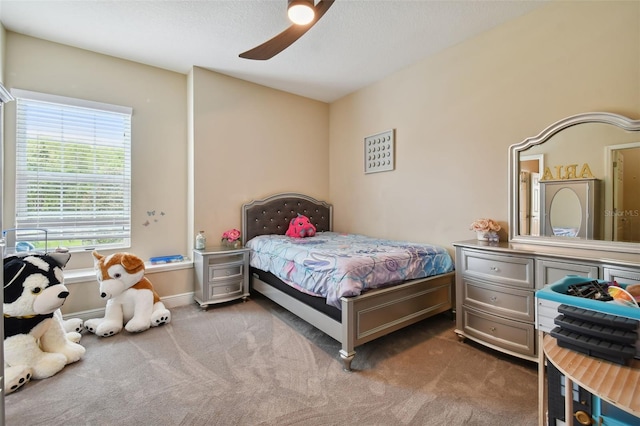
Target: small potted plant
(486, 229)
(231, 238)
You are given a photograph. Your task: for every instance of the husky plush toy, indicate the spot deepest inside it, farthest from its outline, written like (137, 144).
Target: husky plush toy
(131, 300)
(301, 227)
(36, 344)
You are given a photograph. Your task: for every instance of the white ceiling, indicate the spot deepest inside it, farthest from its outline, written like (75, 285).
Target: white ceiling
(356, 43)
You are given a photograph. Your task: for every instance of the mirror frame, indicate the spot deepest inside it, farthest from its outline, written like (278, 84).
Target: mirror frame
(617, 120)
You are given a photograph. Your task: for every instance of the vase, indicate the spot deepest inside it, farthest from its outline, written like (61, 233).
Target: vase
(231, 244)
(482, 235)
(487, 236)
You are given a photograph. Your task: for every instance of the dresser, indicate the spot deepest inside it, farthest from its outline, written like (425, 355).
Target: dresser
(496, 284)
(221, 275)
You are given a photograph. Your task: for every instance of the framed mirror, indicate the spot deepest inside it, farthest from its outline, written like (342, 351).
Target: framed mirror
(577, 184)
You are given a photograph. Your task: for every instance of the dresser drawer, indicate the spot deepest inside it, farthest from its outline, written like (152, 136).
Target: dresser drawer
(510, 270)
(550, 271)
(508, 302)
(622, 276)
(219, 272)
(512, 335)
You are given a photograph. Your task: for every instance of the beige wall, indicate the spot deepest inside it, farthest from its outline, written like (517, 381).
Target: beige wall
(159, 157)
(250, 142)
(3, 38)
(173, 286)
(159, 142)
(584, 144)
(631, 204)
(202, 145)
(456, 114)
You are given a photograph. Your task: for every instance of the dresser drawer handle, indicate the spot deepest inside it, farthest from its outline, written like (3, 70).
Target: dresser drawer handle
(493, 299)
(495, 269)
(493, 329)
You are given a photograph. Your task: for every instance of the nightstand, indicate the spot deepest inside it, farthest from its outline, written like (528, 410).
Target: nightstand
(221, 275)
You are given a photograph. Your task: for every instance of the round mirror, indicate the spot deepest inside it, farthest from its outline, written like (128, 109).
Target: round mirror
(565, 215)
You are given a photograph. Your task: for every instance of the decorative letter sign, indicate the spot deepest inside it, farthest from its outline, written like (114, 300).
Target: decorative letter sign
(567, 172)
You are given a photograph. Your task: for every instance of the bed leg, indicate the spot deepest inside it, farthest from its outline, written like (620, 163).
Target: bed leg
(347, 357)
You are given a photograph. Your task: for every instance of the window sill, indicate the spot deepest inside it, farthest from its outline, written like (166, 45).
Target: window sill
(72, 276)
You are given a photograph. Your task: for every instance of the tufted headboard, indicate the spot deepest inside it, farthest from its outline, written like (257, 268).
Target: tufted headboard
(273, 214)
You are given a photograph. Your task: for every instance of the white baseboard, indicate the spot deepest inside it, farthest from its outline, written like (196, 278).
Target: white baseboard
(169, 301)
(85, 315)
(178, 300)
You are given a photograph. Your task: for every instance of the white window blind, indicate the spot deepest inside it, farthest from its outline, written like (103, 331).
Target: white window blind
(73, 171)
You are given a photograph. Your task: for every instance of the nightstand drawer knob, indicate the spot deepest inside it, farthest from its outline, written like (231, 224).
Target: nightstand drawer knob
(495, 269)
(493, 299)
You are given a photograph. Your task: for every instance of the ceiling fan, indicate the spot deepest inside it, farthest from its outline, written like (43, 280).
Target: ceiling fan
(311, 13)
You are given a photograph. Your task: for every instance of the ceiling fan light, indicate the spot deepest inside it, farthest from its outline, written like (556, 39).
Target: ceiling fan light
(301, 12)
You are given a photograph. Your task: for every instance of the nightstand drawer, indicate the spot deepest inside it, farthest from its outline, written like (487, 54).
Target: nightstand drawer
(225, 258)
(508, 334)
(508, 302)
(226, 271)
(228, 288)
(510, 270)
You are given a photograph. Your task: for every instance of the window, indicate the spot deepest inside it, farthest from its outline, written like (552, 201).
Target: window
(73, 173)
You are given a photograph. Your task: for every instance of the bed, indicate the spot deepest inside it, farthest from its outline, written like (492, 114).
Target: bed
(356, 319)
(565, 232)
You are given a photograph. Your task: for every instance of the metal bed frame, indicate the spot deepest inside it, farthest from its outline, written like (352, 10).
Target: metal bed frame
(366, 317)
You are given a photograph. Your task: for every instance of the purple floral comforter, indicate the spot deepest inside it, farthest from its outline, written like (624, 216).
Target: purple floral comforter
(333, 265)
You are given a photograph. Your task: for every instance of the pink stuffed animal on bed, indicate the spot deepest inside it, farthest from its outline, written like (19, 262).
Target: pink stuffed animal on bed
(301, 227)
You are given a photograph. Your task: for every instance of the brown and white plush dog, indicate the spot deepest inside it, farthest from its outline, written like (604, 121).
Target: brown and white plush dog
(131, 300)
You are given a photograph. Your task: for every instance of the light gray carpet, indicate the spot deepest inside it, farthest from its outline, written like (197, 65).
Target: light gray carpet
(253, 363)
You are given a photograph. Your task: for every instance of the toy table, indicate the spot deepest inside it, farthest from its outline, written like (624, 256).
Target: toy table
(616, 384)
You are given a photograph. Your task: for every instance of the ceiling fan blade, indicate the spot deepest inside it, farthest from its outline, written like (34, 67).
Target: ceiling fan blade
(277, 44)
